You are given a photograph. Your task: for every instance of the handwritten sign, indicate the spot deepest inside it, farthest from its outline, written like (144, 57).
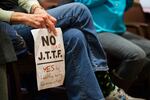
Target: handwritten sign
(49, 58)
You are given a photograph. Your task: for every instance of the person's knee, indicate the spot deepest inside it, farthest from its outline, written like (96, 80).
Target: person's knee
(5, 28)
(73, 38)
(2, 24)
(81, 9)
(78, 5)
(17, 41)
(139, 54)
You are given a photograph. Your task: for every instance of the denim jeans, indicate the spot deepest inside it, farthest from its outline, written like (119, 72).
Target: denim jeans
(84, 54)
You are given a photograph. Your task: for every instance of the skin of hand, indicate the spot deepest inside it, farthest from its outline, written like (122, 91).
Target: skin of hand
(49, 21)
(38, 19)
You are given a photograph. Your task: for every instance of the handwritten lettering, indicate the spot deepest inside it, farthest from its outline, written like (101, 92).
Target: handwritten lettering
(48, 68)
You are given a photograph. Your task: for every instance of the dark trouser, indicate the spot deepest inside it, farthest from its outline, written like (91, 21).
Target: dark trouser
(131, 55)
(7, 55)
(141, 86)
(134, 53)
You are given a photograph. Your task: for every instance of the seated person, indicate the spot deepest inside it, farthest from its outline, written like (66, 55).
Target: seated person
(132, 50)
(80, 40)
(108, 89)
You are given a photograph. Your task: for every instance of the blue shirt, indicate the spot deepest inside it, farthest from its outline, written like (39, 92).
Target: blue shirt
(108, 14)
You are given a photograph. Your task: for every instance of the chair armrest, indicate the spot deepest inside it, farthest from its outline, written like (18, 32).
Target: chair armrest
(141, 28)
(137, 24)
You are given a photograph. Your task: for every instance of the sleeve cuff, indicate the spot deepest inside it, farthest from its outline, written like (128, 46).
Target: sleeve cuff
(28, 4)
(5, 15)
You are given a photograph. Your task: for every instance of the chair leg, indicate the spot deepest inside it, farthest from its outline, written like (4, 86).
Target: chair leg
(3, 83)
(14, 81)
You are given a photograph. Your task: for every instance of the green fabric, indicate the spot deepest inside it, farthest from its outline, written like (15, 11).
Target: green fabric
(3, 83)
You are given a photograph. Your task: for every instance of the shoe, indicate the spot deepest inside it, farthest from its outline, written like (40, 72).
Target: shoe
(119, 94)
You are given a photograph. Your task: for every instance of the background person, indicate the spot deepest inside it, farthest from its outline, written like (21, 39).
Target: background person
(130, 49)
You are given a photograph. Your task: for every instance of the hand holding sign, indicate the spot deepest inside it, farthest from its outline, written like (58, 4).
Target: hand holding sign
(49, 57)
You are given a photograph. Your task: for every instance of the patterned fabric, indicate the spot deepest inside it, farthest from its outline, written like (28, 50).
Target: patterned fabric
(105, 82)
